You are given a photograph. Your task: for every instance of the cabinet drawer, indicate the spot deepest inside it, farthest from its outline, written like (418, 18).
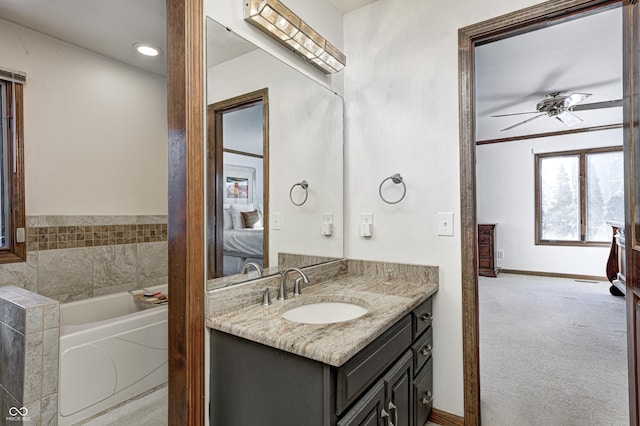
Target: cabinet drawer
(485, 251)
(484, 239)
(485, 263)
(359, 372)
(423, 393)
(422, 317)
(484, 230)
(422, 349)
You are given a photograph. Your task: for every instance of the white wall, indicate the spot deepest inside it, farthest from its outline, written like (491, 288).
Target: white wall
(505, 188)
(401, 105)
(95, 130)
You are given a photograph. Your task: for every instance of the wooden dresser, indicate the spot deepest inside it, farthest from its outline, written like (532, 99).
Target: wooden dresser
(487, 250)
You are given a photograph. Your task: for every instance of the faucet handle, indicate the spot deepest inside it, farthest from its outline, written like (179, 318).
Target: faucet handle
(266, 297)
(296, 287)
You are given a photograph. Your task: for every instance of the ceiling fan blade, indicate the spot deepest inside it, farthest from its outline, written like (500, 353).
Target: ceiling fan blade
(597, 105)
(515, 113)
(574, 99)
(568, 118)
(524, 122)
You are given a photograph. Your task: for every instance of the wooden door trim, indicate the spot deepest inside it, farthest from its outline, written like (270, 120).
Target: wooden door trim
(215, 174)
(185, 114)
(631, 105)
(508, 25)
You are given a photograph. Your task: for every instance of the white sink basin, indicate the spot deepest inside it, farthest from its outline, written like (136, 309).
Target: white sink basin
(324, 312)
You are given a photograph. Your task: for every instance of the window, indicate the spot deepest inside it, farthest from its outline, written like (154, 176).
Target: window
(12, 214)
(576, 192)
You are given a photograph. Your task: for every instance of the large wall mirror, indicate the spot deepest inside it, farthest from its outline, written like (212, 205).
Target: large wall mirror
(274, 163)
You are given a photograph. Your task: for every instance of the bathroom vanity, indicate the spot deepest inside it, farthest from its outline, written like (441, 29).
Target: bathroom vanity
(374, 369)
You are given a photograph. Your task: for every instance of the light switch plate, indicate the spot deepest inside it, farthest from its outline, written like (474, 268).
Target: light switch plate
(276, 221)
(20, 235)
(445, 224)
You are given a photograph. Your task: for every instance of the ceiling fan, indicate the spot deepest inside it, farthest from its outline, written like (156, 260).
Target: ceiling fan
(562, 107)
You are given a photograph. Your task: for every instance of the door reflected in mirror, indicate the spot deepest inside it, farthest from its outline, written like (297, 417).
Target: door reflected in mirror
(270, 128)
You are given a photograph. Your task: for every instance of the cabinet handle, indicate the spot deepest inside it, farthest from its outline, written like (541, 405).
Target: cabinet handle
(426, 317)
(393, 407)
(384, 414)
(426, 400)
(426, 350)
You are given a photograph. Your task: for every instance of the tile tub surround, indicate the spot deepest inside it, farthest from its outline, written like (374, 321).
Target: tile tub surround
(29, 335)
(390, 290)
(76, 257)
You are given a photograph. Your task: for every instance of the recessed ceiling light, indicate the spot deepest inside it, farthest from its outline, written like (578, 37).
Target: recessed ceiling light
(146, 49)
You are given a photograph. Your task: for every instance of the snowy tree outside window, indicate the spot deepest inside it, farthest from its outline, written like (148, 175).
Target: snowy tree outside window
(577, 192)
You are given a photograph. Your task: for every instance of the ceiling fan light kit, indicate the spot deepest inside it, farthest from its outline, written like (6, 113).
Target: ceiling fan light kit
(562, 107)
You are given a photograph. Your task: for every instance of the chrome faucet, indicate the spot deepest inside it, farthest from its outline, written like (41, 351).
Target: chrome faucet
(246, 267)
(282, 294)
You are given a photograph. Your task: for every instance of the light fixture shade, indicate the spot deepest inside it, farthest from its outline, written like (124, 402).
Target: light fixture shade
(275, 19)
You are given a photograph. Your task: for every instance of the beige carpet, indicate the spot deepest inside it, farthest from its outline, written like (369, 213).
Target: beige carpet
(552, 352)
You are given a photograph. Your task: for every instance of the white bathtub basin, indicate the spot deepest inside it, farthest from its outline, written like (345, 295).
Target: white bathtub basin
(324, 312)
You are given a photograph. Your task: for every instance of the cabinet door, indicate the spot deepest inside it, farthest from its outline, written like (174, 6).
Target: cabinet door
(423, 393)
(368, 411)
(399, 391)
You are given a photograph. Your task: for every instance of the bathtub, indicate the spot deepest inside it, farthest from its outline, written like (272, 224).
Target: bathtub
(111, 350)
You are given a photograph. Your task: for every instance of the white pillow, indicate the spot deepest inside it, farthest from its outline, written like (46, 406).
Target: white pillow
(236, 217)
(228, 221)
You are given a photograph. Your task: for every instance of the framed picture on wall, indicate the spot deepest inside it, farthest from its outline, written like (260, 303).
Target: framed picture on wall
(239, 184)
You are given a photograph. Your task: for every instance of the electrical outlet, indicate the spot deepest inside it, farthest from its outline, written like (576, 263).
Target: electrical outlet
(366, 225)
(500, 254)
(327, 224)
(445, 224)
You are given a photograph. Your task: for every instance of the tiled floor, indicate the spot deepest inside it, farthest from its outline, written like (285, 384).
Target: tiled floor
(150, 410)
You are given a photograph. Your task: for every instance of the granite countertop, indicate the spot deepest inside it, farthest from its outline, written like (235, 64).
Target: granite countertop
(333, 344)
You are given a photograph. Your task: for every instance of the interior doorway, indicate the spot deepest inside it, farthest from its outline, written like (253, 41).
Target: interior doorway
(524, 21)
(238, 198)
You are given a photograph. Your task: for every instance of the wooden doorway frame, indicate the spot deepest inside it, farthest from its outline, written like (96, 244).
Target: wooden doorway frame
(186, 225)
(515, 23)
(215, 217)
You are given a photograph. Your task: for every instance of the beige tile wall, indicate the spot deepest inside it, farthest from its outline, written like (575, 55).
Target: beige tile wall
(77, 257)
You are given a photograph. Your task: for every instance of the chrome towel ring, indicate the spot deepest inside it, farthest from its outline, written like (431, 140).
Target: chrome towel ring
(397, 179)
(304, 185)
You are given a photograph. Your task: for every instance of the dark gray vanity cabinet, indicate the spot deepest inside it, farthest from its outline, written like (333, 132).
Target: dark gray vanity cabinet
(387, 382)
(391, 397)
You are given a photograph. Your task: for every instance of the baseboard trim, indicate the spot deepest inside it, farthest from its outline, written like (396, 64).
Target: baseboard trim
(443, 418)
(554, 275)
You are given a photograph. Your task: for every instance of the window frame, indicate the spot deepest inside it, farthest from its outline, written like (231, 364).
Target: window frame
(582, 154)
(16, 251)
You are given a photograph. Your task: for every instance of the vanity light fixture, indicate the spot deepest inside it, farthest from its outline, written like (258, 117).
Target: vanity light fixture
(146, 49)
(275, 19)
